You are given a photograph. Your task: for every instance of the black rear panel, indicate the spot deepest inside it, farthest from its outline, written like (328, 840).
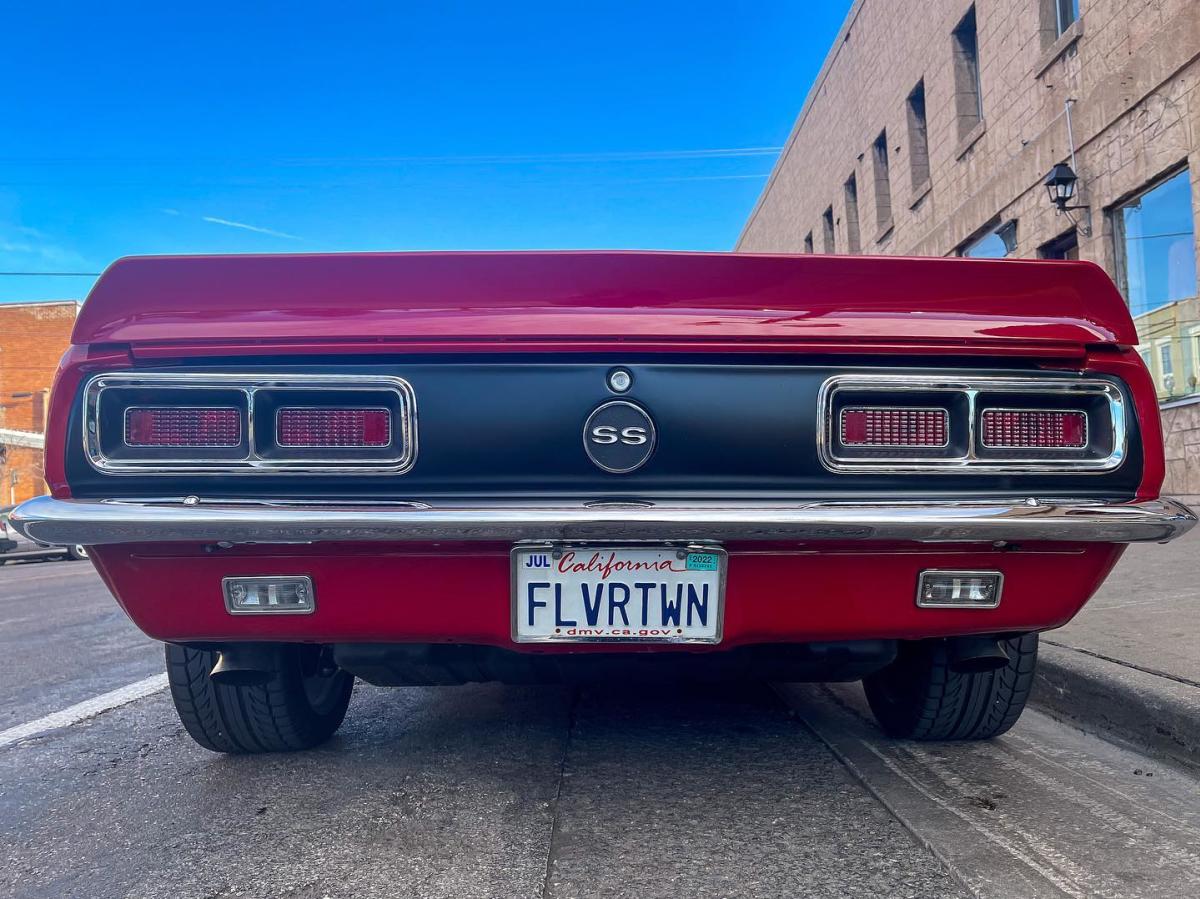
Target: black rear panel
(513, 426)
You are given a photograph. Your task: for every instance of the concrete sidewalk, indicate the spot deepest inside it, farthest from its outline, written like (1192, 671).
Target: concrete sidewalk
(1129, 664)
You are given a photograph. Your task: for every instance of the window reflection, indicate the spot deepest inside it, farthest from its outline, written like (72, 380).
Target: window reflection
(1158, 239)
(1155, 235)
(995, 245)
(1066, 12)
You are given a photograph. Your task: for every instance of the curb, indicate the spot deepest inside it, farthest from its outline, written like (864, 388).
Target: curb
(1148, 712)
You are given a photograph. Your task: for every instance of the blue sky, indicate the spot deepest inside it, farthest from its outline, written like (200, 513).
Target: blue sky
(245, 128)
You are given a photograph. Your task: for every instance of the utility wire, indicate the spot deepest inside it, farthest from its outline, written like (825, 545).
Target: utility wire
(51, 274)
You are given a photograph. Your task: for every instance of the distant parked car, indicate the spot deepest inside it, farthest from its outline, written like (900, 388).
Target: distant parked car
(14, 547)
(7, 543)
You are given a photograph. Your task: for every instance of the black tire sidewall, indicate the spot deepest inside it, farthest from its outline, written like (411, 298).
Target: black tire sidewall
(919, 696)
(273, 717)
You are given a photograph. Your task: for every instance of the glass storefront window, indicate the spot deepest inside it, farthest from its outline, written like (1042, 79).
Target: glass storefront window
(1157, 235)
(1156, 243)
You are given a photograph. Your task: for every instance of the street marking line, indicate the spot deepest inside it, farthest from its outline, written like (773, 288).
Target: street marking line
(81, 711)
(47, 576)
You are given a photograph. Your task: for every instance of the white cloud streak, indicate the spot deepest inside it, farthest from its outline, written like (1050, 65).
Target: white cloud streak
(758, 175)
(20, 245)
(255, 228)
(524, 158)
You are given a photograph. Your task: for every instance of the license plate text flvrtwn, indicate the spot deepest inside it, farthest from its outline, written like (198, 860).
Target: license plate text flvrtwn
(664, 594)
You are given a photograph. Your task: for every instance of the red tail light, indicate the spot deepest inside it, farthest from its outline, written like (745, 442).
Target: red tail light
(1037, 428)
(182, 426)
(311, 427)
(894, 427)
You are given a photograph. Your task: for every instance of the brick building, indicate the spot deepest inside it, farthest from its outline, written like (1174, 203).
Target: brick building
(33, 337)
(933, 125)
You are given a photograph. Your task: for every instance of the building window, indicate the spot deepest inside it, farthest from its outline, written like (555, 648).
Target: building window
(850, 189)
(1065, 14)
(968, 94)
(808, 243)
(883, 183)
(918, 137)
(1156, 245)
(1164, 376)
(1191, 359)
(1057, 19)
(1065, 246)
(996, 243)
(829, 243)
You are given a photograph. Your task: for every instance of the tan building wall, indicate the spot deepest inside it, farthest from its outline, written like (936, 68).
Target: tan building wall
(1131, 71)
(33, 337)
(1181, 432)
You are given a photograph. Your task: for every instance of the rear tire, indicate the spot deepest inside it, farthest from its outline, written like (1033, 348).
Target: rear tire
(77, 551)
(919, 697)
(300, 707)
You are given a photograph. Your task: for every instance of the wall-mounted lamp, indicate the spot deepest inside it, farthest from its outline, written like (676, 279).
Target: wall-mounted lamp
(1060, 185)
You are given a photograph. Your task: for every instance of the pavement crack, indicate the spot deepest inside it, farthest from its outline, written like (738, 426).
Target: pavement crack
(572, 717)
(1124, 664)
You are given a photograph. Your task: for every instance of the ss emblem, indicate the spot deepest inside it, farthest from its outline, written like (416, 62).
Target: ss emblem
(619, 436)
(631, 436)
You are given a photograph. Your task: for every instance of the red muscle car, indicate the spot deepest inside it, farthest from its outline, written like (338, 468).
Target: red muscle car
(439, 468)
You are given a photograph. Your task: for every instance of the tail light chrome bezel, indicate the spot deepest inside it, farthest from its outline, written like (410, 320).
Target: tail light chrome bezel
(976, 394)
(252, 457)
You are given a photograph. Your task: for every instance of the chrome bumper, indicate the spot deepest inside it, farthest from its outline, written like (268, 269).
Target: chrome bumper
(92, 523)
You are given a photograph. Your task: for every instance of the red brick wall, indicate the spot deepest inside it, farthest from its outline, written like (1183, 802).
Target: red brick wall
(33, 337)
(26, 465)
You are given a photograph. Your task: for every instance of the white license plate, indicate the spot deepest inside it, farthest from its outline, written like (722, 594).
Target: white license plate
(577, 594)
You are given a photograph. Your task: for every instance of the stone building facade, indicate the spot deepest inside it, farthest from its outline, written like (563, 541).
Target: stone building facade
(934, 123)
(33, 337)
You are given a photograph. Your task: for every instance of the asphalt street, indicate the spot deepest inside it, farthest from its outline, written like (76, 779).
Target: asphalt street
(64, 639)
(550, 792)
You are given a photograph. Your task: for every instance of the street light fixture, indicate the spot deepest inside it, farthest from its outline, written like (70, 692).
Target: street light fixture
(1060, 185)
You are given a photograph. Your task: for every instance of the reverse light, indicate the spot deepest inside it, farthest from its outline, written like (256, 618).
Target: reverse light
(268, 595)
(1034, 428)
(894, 427)
(321, 427)
(959, 589)
(182, 426)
